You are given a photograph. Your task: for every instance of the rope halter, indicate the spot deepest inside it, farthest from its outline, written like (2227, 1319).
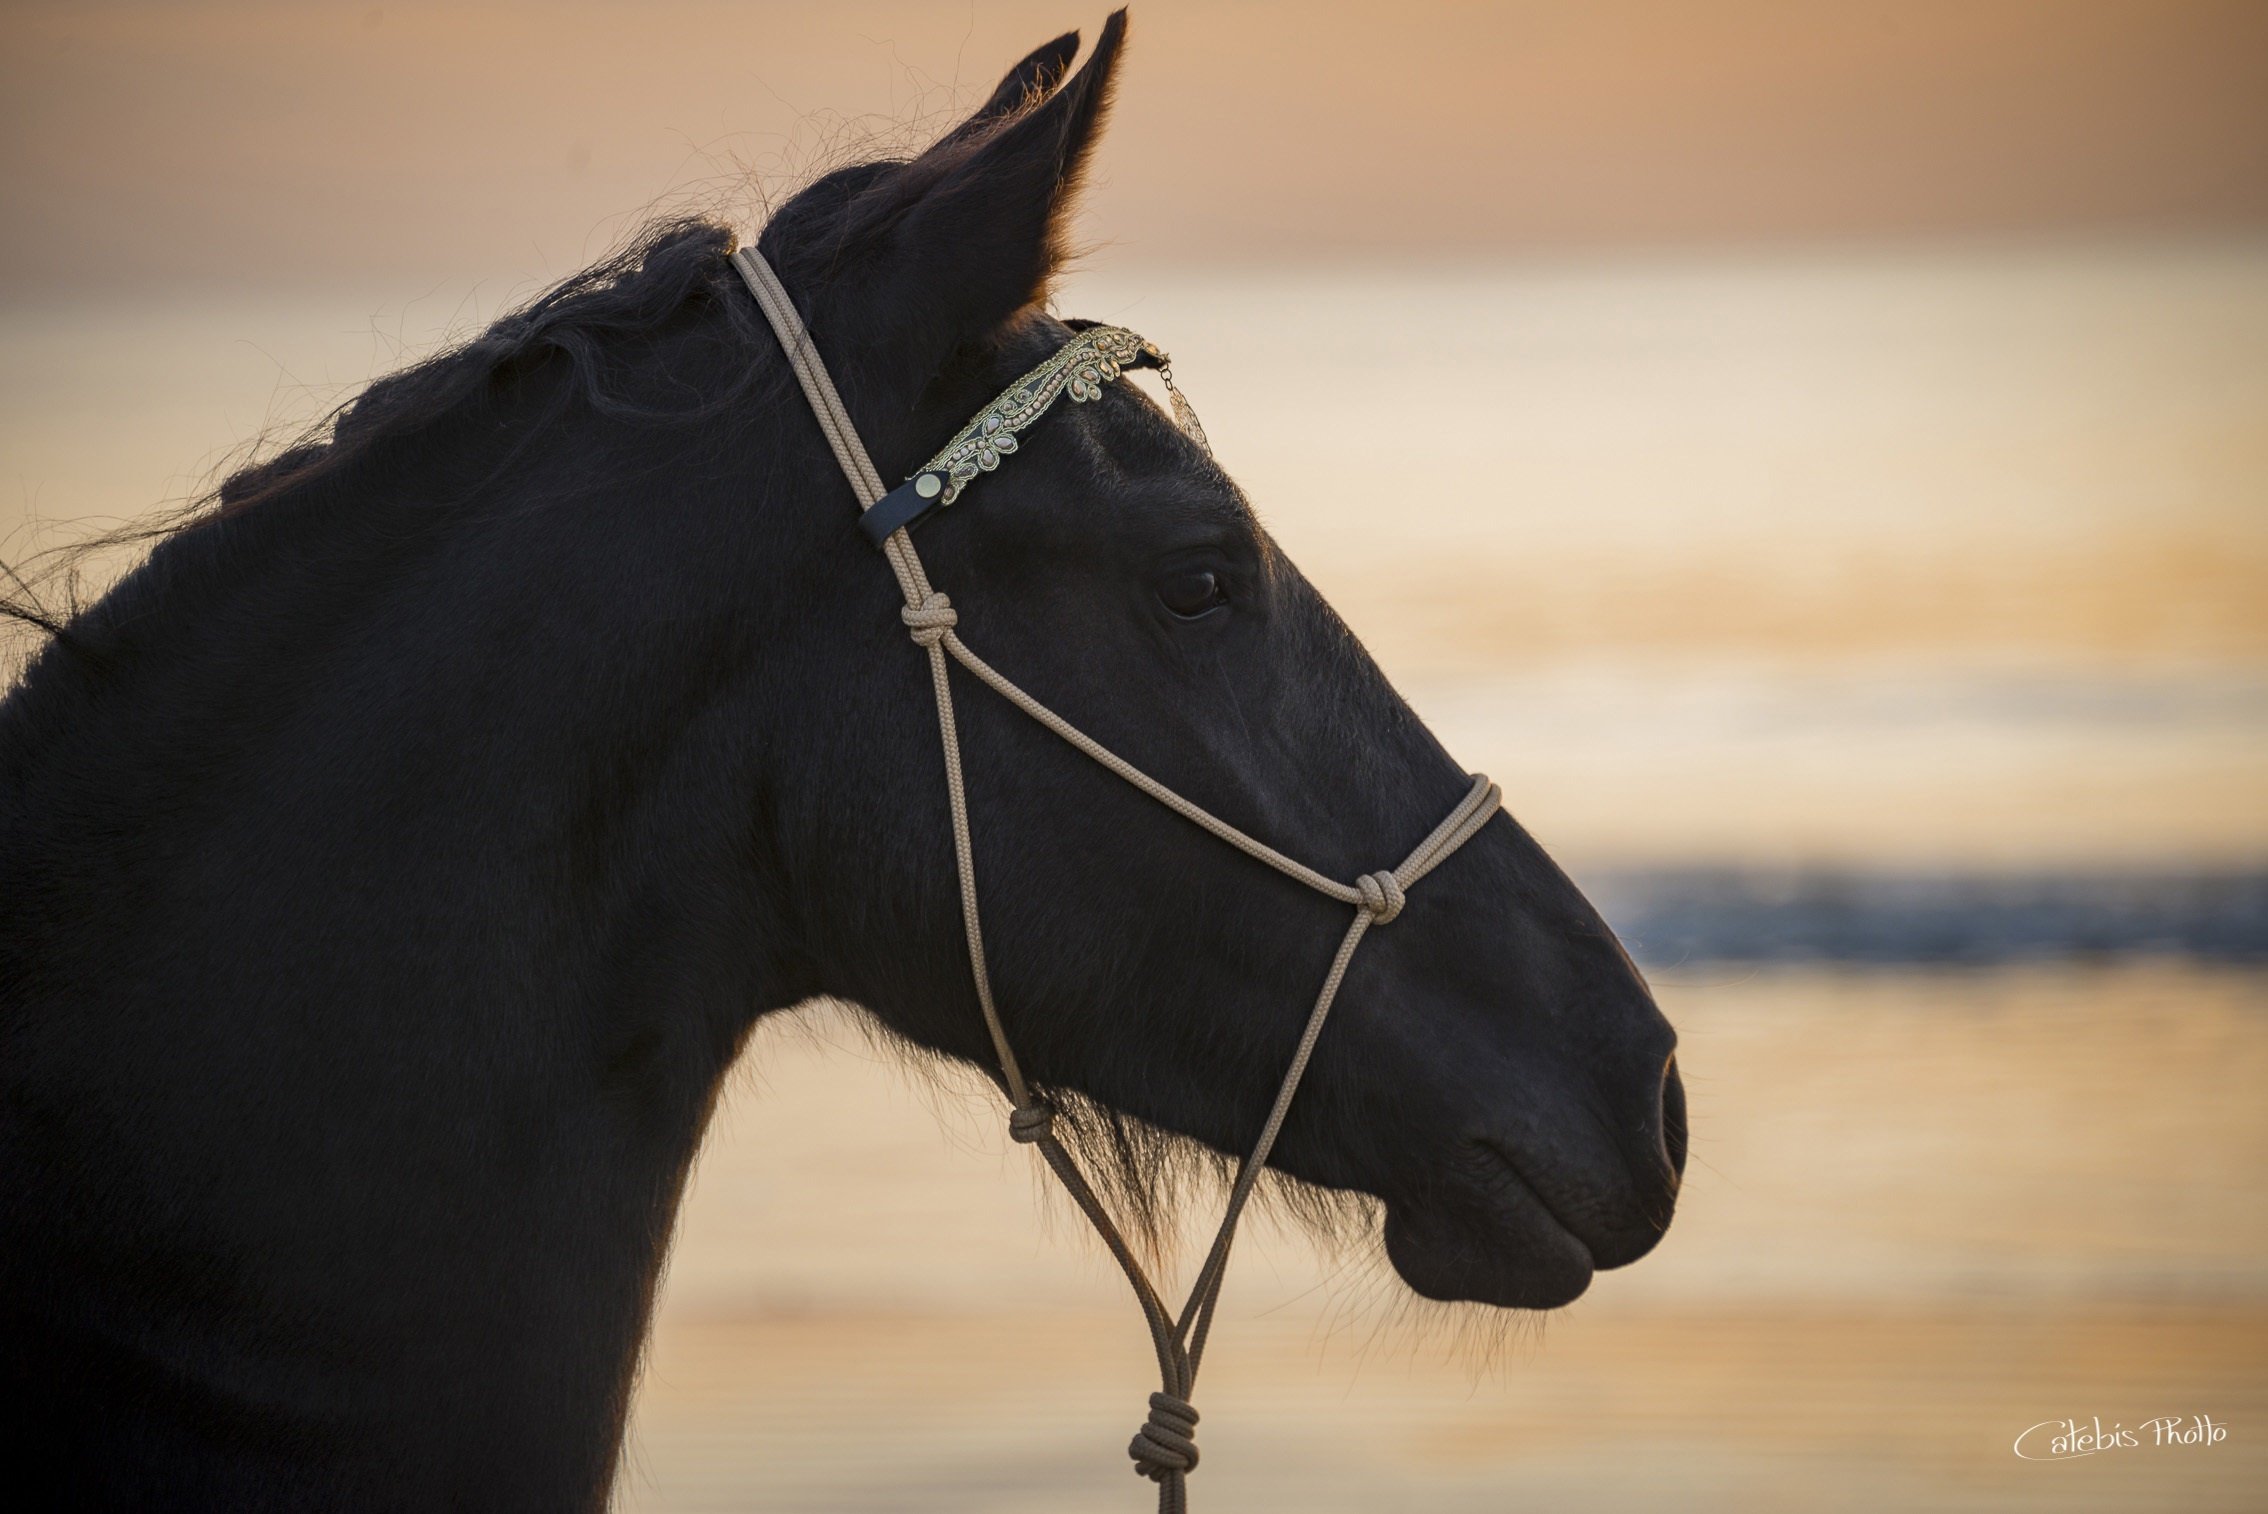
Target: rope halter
(1165, 1448)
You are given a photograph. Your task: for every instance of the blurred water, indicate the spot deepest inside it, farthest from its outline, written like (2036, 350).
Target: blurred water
(1678, 917)
(1924, 1211)
(1834, 606)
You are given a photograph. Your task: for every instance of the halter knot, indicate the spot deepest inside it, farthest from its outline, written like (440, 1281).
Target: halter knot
(930, 620)
(1165, 1444)
(1029, 1123)
(1382, 896)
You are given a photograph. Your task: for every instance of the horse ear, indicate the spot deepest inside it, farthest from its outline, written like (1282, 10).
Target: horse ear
(991, 203)
(1028, 83)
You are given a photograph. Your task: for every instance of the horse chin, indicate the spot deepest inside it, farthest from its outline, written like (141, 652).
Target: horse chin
(1515, 1256)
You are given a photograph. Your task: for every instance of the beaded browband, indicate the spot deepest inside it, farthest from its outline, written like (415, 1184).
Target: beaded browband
(1079, 368)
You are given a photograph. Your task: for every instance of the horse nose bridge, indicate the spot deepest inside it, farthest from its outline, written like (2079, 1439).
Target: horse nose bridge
(1546, 971)
(1614, 1003)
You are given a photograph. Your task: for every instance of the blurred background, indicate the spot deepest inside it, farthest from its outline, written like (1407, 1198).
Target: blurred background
(1815, 456)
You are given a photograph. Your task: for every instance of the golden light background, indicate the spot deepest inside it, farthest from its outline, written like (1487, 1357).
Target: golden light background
(246, 144)
(1815, 442)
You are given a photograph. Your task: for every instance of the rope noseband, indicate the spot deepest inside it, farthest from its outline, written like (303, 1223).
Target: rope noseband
(1165, 1448)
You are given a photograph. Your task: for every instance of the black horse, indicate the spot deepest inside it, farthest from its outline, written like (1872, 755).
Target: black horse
(393, 864)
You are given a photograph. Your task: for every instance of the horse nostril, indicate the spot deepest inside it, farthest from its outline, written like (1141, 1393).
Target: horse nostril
(1673, 1118)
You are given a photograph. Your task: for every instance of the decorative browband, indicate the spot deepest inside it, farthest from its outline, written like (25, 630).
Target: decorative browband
(1079, 368)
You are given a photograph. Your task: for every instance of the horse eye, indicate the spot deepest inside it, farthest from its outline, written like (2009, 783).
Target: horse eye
(1190, 595)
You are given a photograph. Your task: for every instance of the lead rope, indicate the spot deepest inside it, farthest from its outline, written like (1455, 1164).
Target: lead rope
(1165, 1448)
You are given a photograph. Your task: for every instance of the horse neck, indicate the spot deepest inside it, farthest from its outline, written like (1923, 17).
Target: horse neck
(382, 921)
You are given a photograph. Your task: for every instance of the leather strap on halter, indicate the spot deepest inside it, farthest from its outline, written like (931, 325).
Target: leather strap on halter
(1164, 1449)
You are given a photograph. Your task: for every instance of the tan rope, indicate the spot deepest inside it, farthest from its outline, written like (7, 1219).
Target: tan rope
(1165, 1448)
(1143, 781)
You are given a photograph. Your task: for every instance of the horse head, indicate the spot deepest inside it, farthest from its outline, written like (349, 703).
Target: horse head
(1497, 1073)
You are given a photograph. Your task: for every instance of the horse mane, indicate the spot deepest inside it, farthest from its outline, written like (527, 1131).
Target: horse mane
(595, 324)
(590, 326)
